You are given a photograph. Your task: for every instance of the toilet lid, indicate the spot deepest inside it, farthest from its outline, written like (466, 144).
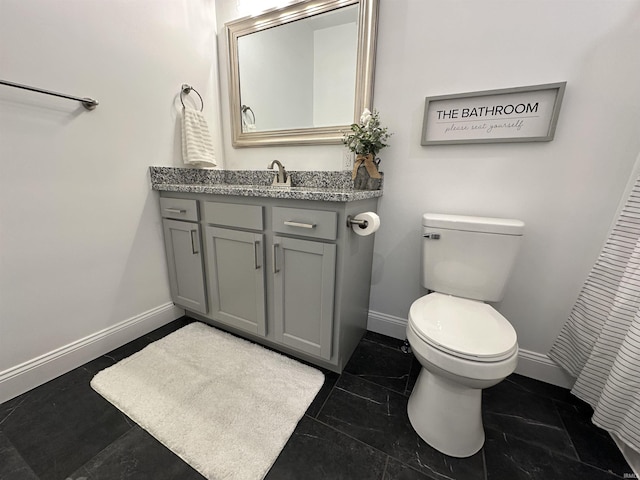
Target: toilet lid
(463, 328)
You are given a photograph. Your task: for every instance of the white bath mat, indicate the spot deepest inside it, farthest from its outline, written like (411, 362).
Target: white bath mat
(224, 405)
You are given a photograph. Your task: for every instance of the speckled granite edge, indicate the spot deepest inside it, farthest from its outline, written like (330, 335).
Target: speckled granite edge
(188, 176)
(295, 193)
(333, 186)
(191, 176)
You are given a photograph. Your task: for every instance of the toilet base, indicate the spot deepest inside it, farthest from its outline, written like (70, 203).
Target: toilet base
(447, 415)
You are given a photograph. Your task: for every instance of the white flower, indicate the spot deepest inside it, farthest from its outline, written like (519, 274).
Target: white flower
(366, 137)
(365, 117)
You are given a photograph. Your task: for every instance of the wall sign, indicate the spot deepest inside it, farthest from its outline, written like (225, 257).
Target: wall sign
(521, 114)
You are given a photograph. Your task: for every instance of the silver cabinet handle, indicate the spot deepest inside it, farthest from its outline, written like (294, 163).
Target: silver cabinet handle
(256, 245)
(275, 262)
(195, 248)
(175, 210)
(299, 225)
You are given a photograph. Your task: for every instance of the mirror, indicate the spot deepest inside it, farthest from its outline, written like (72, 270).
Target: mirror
(301, 74)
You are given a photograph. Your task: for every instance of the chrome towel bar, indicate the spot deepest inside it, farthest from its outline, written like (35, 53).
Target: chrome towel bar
(88, 103)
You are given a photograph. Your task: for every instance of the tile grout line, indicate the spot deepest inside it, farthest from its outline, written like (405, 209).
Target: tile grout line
(406, 386)
(578, 458)
(394, 348)
(376, 384)
(484, 462)
(340, 432)
(83, 466)
(17, 452)
(367, 445)
(346, 434)
(557, 453)
(384, 470)
(537, 445)
(564, 426)
(327, 398)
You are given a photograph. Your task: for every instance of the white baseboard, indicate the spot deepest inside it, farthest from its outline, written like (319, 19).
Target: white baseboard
(530, 364)
(22, 378)
(539, 366)
(388, 325)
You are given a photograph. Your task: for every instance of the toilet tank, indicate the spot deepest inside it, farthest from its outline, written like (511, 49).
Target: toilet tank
(469, 257)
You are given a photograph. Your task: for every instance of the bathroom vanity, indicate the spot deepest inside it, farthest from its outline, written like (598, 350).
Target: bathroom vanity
(278, 266)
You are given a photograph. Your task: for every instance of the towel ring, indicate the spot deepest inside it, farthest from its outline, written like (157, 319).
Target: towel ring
(244, 109)
(186, 90)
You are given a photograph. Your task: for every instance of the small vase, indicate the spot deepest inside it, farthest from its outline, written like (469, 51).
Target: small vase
(364, 181)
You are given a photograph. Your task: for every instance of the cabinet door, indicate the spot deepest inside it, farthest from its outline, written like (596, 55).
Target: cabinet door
(304, 279)
(236, 278)
(184, 260)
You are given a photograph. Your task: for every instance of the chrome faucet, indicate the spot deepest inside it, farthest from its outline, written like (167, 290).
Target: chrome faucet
(281, 178)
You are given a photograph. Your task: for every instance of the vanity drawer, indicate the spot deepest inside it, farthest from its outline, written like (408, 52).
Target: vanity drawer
(234, 215)
(179, 209)
(306, 223)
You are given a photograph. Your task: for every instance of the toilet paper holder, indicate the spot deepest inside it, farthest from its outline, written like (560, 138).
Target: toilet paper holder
(354, 221)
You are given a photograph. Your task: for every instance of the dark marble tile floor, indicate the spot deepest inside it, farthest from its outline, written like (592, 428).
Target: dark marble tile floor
(356, 428)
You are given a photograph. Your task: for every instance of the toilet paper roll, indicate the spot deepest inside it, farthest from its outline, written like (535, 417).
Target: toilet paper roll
(373, 223)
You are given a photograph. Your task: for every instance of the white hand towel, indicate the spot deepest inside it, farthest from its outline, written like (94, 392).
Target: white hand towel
(197, 147)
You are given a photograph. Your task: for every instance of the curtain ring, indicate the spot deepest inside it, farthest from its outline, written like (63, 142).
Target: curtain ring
(186, 90)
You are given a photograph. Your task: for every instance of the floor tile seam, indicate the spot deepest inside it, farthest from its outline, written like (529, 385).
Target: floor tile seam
(11, 410)
(527, 390)
(24, 460)
(84, 465)
(558, 426)
(548, 395)
(86, 474)
(370, 446)
(406, 385)
(371, 383)
(357, 440)
(570, 404)
(484, 465)
(577, 459)
(426, 475)
(384, 470)
(395, 349)
(610, 473)
(564, 426)
(327, 398)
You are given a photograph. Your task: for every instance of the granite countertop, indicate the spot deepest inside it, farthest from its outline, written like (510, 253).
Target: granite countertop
(329, 186)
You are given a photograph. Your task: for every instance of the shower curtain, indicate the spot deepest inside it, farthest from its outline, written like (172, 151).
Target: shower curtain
(600, 343)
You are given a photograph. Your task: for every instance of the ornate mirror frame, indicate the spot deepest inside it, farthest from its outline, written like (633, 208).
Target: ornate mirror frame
(367, 33)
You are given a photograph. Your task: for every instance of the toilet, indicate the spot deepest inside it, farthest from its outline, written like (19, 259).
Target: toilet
(462, 343)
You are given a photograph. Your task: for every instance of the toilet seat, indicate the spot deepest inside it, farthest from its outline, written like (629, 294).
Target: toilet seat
(463, 328)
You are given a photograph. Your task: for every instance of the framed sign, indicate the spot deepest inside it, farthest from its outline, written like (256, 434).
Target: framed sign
(521, 114)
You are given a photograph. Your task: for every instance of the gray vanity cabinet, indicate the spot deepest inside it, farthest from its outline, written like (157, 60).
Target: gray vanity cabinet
(304, 280)
(286, 273)
(235, 261)
(184, 255)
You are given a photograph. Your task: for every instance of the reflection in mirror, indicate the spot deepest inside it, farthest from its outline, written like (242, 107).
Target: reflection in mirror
(301, 74)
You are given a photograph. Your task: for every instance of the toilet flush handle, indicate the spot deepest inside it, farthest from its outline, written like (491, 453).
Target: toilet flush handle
(432, 236)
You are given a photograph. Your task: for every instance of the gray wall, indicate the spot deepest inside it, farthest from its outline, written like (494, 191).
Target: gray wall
(566, 191)
(81, 248)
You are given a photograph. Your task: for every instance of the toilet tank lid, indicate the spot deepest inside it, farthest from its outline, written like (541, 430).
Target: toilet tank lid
(505, 226)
